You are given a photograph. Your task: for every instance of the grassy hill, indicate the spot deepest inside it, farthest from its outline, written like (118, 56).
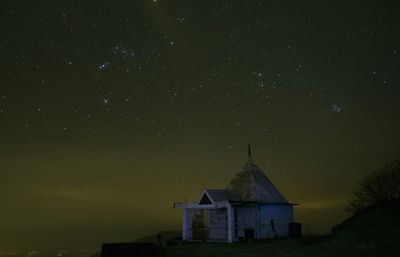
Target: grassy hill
(374, 232)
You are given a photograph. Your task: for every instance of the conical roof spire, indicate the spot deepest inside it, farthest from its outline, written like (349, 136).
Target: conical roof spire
(251, 184)
(250, 158)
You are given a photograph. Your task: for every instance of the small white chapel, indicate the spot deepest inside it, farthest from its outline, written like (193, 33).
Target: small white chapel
(251, 207)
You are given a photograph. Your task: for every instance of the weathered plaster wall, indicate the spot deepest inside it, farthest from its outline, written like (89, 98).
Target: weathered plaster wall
(282, 215)
(246, 218)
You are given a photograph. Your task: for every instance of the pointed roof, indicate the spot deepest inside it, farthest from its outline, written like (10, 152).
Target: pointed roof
(205, 199)
(218, 195)
(251, 184)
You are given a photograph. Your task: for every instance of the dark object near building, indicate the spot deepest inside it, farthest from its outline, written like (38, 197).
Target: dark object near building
(248, 234)
(176, 240)
(130, 250)
(272, 223)
(294, 229)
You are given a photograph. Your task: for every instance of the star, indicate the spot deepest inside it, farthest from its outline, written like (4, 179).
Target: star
(103, 65)
(336, 108)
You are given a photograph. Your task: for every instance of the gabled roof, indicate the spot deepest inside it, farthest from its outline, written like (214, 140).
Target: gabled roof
(251, 184)
(205, 199)
(248, 185)
(218, 195)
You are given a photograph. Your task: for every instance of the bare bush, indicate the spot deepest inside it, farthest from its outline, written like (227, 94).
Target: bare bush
(379, 186)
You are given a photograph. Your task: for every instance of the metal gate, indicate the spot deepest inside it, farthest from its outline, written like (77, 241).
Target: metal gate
(208, 224)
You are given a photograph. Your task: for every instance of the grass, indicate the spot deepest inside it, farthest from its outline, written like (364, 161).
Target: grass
(279, 247)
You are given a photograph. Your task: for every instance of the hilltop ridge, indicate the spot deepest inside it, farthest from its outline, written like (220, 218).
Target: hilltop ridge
(373, 232)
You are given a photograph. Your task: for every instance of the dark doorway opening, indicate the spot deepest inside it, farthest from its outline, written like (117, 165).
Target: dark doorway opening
(248, 234)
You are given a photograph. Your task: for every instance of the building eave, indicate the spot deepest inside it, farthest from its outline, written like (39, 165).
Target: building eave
(241, 203)
(196, 205)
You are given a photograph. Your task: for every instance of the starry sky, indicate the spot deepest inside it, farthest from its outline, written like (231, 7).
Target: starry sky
(110, 111)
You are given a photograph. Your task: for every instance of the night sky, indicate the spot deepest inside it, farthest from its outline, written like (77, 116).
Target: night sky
(110, 111)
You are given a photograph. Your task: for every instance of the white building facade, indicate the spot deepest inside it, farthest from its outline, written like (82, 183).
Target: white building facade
(250, 208)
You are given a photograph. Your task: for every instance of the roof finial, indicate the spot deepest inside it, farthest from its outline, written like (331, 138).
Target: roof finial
(249, 152)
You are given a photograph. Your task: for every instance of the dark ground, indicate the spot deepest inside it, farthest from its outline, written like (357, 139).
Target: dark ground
(374, 232)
